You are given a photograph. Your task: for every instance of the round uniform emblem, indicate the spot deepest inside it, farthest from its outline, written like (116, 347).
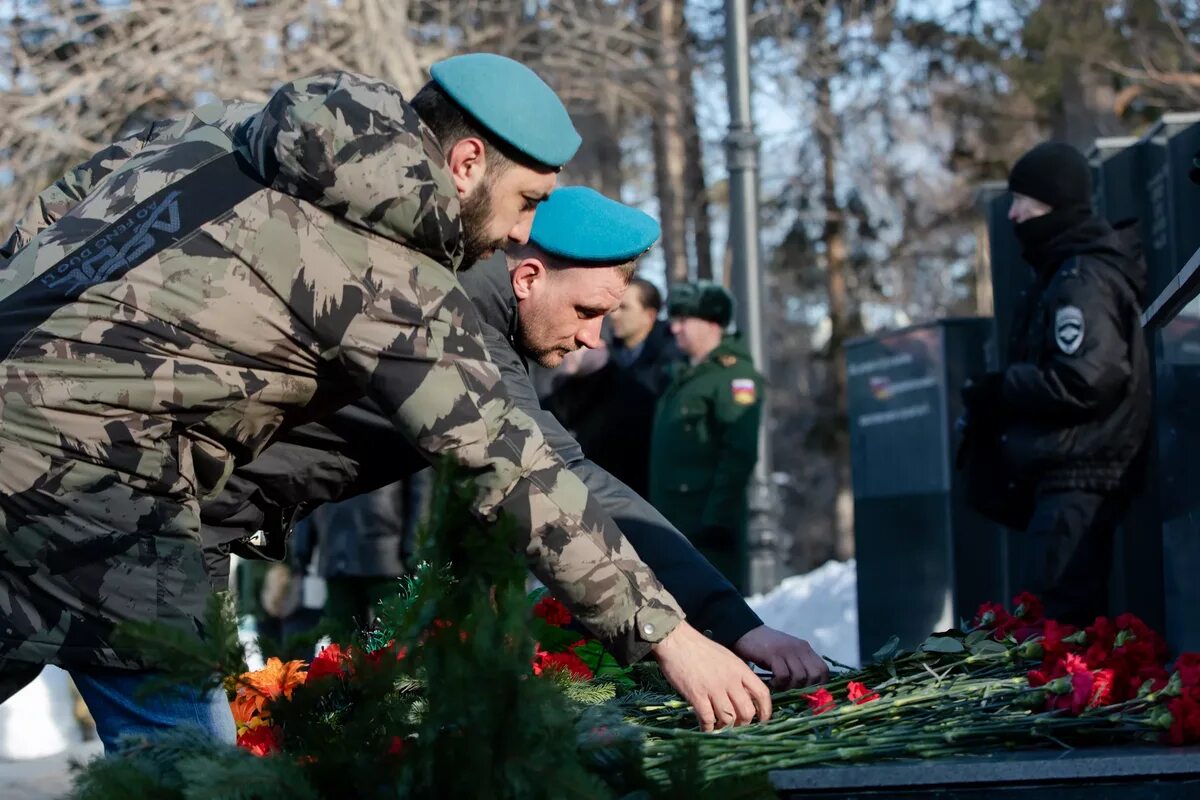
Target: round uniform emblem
(1068, 329)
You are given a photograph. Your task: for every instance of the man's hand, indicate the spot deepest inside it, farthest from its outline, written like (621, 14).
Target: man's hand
(792, 661)
(722, 690)
(983, 393)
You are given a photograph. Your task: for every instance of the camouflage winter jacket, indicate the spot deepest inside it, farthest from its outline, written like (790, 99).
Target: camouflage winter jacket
(123, 407)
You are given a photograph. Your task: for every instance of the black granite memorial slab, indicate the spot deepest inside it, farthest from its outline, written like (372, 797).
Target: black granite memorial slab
(1128, 773)
(924, 559)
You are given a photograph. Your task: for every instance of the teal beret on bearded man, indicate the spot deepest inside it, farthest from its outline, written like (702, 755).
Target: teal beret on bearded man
(512, 103)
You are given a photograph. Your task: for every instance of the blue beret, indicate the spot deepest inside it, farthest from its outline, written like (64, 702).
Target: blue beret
(512, 103)
(580, 224)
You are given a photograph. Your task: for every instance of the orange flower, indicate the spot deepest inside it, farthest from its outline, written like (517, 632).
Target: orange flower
(245, 707)
(275, 679)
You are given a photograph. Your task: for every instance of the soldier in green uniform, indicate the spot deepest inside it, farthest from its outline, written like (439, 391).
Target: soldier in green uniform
(705, 440)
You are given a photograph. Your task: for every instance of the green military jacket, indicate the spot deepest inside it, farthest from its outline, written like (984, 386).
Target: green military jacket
(704, 448)
(127, 403)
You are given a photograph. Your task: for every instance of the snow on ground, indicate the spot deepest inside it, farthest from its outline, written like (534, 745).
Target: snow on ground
(820, 606)
(39, 720)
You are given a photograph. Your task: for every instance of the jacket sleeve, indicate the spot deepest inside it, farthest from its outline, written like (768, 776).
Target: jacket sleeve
(407, 334)
(1075, 377)
(735, 426)
(706, 596)
(65, 193)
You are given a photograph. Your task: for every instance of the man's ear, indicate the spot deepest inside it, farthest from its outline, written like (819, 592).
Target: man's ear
(526, 275)
(467, 162)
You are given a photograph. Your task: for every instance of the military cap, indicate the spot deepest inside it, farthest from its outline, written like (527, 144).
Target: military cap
(512, 103)
(702, 299)
(581, 225)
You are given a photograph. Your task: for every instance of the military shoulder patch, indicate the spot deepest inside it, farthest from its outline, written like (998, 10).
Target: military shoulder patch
(726, 360)
(1068, 329)
(744, 393)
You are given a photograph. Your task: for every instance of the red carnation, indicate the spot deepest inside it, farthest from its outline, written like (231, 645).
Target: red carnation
(1188, 667)
(990, 615)
(1026, 631)
(1185, 720)
(562, 662)
(330, 661)
(551, 610)
(261, 740)
(1028, 607)
(1082, 685)
(858, 693)
(1053, 645)
(820, 701)
(1103, 684)
(1102, 634)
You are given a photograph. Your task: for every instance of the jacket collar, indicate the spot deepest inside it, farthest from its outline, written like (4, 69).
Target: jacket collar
(490, 289)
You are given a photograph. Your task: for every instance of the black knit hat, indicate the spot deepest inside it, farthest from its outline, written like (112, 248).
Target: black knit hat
(1056, 174)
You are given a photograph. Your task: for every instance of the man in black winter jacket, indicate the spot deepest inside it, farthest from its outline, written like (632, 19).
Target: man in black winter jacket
(1074, 402)
(610, 410)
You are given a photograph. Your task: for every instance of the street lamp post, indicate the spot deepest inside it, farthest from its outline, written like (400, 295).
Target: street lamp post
(766, 544)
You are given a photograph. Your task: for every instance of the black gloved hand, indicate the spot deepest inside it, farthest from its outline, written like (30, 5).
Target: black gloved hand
(982, 392)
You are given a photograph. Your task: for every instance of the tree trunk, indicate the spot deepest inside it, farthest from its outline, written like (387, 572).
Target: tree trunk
(598, 162)
(834, 238)
(983, 302)
(697, 186)
(670, 142)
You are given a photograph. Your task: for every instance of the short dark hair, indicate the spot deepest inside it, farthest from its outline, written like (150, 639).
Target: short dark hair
(517, 252)
(451, 124)
(648, 293)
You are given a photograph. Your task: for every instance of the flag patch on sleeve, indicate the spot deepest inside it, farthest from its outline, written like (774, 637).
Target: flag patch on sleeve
(744, 393)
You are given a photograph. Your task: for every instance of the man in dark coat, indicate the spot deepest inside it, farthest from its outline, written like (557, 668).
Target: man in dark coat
(360, 546)
(610, 408)
(643, 343)
(1074, 403)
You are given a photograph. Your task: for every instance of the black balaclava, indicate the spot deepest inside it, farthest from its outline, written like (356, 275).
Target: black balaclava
(1058, 175)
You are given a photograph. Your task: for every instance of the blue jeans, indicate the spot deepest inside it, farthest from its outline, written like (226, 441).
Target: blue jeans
(112, 696)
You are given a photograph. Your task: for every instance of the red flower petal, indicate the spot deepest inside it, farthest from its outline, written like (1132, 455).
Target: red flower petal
(553, 611)
(820, 701)
(858, 693)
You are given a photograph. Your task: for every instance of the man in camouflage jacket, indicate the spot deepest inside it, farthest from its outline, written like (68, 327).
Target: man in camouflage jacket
(129, 397)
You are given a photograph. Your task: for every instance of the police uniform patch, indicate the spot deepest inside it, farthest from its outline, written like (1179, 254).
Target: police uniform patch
(1068, 329)
(744, 393)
